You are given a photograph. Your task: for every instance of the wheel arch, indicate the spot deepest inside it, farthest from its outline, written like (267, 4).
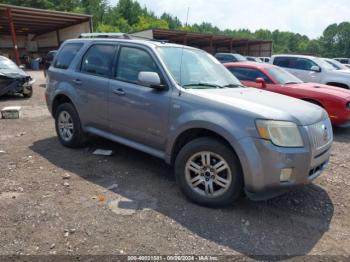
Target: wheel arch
(337, 84)
(313, 101)
(191, 133)
(58, 100)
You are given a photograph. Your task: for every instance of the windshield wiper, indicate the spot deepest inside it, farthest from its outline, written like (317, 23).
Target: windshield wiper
(203, 84)
(233, 85)
(291, 83)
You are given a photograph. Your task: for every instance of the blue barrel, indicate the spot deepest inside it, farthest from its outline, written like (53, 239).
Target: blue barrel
(35, 64)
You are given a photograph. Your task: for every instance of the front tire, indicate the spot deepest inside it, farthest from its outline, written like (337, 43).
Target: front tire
(28, 92)
(209, 172)
(68, 126)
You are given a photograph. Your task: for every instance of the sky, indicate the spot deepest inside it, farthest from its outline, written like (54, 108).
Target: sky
(307, 17)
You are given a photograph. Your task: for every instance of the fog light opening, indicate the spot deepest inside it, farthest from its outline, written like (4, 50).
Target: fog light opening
(286, 174)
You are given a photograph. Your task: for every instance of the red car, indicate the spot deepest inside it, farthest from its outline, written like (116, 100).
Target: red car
(335, 100)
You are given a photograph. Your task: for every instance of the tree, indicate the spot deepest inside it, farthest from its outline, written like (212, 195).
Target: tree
(148, 23)
(130, 10)
(173, 21)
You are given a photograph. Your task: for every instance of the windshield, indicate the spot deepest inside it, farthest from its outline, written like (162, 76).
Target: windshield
(198, 68)
(323, 64)
(7, 63)
(337, 65)
(240, 57)
(283, 77)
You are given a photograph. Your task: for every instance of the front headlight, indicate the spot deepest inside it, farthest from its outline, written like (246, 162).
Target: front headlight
(280, 133)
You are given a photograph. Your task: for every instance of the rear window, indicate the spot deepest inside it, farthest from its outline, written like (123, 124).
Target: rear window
(225, 58)
(67, 54)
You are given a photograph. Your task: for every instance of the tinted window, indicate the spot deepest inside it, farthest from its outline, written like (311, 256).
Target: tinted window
(132, 61)
(302, 64)
(98, 60)
(282, 61)
(225, 58)
(249, 74)
(67, 54)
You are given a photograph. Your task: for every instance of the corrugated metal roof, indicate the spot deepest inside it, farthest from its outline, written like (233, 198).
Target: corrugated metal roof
(37, 21)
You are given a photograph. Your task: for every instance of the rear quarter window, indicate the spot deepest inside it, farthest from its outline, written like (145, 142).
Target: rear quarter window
(67, 54)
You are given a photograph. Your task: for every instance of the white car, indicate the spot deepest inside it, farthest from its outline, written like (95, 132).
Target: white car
(265, 59)
(313, 69)
(336, 64)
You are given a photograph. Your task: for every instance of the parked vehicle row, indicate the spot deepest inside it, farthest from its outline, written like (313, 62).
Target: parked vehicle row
(180, 104)
(313, 69)
(336, 101)
(344, 61)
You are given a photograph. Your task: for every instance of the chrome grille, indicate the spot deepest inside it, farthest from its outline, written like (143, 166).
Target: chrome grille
(321, 134)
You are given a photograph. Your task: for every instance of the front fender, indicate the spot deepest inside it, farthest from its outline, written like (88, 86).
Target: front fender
(202, 119)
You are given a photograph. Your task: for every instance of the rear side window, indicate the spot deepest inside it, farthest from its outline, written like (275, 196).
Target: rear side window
(98, 60)
(249, 74)
(282, 61)
(132, 61)
(67, 54)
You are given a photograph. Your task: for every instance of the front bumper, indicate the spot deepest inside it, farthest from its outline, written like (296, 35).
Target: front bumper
(263, 163)
(16, 85)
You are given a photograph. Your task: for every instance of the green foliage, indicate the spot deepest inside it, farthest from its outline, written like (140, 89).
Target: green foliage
(147, 22)
(128, 16)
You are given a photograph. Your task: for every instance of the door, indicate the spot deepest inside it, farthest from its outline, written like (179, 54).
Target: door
(303, 69)
(248, 77)
(93, 83)
(138, 112)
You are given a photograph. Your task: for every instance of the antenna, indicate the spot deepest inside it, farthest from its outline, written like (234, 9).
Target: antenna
(188, 11)
(182, 51)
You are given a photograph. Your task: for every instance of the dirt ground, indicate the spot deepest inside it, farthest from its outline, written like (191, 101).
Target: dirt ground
(56, 200)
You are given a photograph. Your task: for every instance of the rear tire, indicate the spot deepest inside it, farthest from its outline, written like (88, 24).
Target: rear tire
(209, 172)
(68, 126)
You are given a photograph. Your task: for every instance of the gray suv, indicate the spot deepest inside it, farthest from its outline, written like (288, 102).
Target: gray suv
(182, 105)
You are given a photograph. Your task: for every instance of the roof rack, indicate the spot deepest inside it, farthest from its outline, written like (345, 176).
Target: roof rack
(105, 35)
(119, 36)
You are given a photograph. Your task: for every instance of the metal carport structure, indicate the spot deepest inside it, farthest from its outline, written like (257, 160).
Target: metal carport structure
(210, 42)
(23, 21)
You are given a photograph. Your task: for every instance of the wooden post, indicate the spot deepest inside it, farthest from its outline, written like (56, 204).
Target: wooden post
(185, 40)
(260, 50)
(58, 37)
(13, 35)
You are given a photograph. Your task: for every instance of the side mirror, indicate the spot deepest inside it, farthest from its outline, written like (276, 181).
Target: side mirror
(22, 67)
(315, 68)
(261, 81)
(150, 79)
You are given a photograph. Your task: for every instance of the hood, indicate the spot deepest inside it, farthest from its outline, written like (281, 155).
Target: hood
(264, 104)
(13, 73)
(326, 89)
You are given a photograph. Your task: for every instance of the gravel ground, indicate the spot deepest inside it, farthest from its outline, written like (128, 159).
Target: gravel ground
(55, 200)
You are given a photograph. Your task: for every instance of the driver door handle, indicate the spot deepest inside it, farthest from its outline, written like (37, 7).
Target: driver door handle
(119, 92)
